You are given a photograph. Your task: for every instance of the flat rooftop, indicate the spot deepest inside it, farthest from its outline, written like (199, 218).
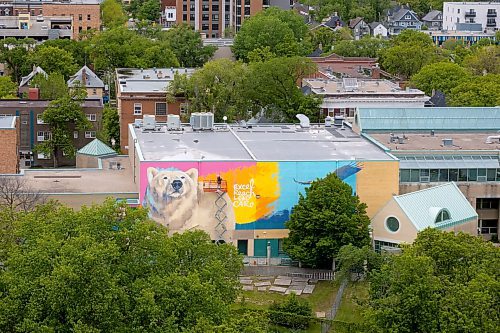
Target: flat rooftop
(278, 142)
(8, 122)
(147, 80)
(353, 86)
(425, 141)
(98, 181)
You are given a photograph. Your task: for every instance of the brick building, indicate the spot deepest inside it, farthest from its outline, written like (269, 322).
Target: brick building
(33, 131)
(143, 91)
(9, 149)
(86, 14)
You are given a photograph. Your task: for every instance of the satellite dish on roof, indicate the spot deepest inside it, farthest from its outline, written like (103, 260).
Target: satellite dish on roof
(304, 121)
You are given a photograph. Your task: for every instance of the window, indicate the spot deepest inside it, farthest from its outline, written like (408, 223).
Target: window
(80, 29)
(204, 26)
(443, 215)
(281, 251)
(247, 10)
(205, 8)
(215, 17)
(92, 117)
(215, 8)
(42, 136)
(407, 17)
(183, 108)
(392, 224)
(137, 109)
(90, 134)
(215, 26)
(381, 245)
(39, 119)
(487, 227)
(191, 7)
(191, 17)
(161, 109)
(204, 17)
(170, 15)
(94, 91)
(243, 246)
(80, 17)
(75, 134)
(88, 17)
(487, 203)
(42, 156)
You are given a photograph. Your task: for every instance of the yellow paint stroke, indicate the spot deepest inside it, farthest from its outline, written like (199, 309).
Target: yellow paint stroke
(252, 190)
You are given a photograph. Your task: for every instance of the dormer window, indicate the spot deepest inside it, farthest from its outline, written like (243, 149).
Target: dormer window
(407, 17)
(443, 215)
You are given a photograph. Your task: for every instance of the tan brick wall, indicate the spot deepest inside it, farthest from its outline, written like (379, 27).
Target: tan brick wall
(75, 10)
(9, 150)
(126, 112)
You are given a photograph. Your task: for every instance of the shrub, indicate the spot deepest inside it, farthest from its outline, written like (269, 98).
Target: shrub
(293, 312)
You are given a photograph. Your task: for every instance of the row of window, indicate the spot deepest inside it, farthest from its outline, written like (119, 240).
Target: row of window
(160, 109)
(90, 117)
(42, 136)
(487, 227)
(487, 203)
(448, 175)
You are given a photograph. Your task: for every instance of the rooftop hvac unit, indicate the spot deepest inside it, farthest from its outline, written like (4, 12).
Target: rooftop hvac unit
(138, 123)
(447, 142)
(173, 122)
(149, 122)
(304, 120)
(195, 121)
(328, 121)
(207, 121)
(338, 120)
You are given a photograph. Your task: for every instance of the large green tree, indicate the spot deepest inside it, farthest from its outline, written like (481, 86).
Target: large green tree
(112, 13)
(485, 60)
(8, 88)
(364, 47)
(276, 30)
(188, 46)
(442, 76)
(51, 87)
(54, 60)
(75, 47)
(444, 282)
(14, 53)
(110, 126)
(64, 115)
(370, 10)
(477, 91)
(272, 86)
(108, 269)
(326, 218)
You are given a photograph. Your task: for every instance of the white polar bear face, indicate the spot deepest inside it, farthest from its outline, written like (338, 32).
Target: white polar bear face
(169, 184)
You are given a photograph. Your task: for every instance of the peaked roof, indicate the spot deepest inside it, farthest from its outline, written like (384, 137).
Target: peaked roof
(96, 148)
(316, 53)
(333, 22)
(422, 207)
(26, 79)
(91, 79)
(402, 12)
(435, 118)
(432, 16)
(373, 25)
(354, 22)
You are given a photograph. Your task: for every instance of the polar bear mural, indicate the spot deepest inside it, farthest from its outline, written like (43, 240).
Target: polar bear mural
(176, 200)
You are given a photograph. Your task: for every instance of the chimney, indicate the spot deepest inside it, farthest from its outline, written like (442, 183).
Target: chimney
(84, 77)
(33, 94)
(375, 72)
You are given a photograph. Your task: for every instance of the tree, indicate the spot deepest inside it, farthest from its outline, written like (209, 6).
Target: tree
(112, 13)
(370, 10)
(8, 88)
(326, 38)
(442, 76)
(364, 47)
(293, 312)
(54, 60)
(51, 87)
(218, 88)
(355, 263)
(485, 60)
(64, 115)
(328, 217)
(444, 282)
(272, 86)
(110, 126)
(107, 268)
(188, 46)
(75, 47)
(478, 91)
(262, 31)
(149, 11)
(15, 53)
(406, 59)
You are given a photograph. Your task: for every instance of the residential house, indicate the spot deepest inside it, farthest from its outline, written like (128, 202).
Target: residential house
(402, 19)
(458, 14)
(34, 131)
(443, 207)
(87, 79)
(333, 22)
(26, 80)
(9, 149)
(433, 20)
(439, 145)
(378, 29)
(144, 92)
(343, 97)
(359, 27)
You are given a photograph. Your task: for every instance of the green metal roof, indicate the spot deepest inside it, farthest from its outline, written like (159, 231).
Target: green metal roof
(422, 207)
(96, 148)
(428, 118)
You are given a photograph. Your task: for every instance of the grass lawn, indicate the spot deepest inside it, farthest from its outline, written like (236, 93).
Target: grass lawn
(350, 310)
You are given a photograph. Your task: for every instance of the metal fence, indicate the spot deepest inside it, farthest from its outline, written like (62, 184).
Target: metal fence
(308, 273)
(330, 315)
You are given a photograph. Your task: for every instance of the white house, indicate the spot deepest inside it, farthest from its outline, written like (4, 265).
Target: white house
(458, 15)
(377, 29)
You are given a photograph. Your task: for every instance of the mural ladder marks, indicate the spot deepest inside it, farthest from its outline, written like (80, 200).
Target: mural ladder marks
(220, 214)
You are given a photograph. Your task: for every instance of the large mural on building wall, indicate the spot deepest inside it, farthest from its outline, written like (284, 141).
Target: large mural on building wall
(243, 195)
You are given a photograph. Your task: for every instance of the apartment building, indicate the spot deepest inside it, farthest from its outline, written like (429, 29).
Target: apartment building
(86, 14)
(9, 149)
(144, 92)
(34, 131)
(459, 15)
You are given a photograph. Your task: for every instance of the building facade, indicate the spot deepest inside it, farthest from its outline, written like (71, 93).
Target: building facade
(433, 20)
(9, 149)
(470, 13)
(441, 145)
(86, 14)
(87, 79)
(402, 19)
(240, 184)
(34, 131)
(144, 92)
(466, 37)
